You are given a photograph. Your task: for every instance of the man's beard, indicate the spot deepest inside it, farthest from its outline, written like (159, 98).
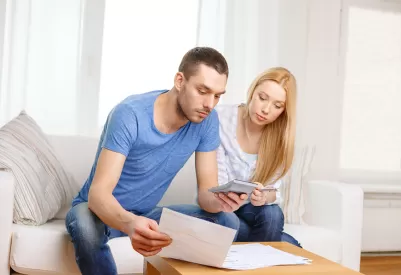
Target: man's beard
(180, 110)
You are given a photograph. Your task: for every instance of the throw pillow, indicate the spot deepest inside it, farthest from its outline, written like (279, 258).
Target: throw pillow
(42, 186)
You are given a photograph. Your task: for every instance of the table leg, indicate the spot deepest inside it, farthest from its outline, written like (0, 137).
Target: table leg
(150, 269)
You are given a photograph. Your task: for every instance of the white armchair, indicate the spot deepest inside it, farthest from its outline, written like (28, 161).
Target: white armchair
(339, 207)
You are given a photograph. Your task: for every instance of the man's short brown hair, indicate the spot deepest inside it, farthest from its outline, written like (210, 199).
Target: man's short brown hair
(202, 55)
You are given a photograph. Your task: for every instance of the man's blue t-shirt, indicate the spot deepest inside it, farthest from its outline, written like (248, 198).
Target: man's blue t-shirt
(153, 158)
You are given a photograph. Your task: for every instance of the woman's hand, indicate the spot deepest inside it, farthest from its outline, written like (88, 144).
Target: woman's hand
(258, 197)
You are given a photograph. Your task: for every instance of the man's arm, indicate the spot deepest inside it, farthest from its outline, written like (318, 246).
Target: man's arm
(101, 200)
(119, 136)
(120, 133)
(206, 174)
(144, 234)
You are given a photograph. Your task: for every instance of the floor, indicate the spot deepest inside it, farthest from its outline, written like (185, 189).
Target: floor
(381, 265)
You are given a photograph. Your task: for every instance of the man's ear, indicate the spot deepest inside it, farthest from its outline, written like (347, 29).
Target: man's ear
(179, 81)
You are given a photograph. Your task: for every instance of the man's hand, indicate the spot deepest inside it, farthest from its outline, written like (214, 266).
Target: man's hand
(230, 202)
(146, 238)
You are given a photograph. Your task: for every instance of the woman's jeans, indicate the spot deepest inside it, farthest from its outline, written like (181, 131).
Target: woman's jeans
(90, 235)
(262, 224)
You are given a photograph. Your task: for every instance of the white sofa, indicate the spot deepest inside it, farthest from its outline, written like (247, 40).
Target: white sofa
(333, 214)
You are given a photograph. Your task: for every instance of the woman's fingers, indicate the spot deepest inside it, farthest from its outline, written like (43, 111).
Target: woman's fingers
(259, 185)
(257, 193)
(256, 198)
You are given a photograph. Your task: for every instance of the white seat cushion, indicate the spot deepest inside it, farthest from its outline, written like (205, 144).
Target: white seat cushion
(320, 241)
(47, 249)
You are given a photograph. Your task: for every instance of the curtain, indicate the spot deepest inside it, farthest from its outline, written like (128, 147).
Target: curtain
(41, 61)
(68, 62)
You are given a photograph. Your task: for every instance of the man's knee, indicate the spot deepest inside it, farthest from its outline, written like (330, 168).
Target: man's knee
(228, 220)
(87, 231)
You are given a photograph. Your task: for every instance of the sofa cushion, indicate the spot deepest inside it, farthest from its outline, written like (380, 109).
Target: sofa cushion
(47, 249)
(318, 240)
(42, 185)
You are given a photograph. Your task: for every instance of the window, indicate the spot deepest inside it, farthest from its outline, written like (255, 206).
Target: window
(143, 43)
(371, 116)
(41, 59)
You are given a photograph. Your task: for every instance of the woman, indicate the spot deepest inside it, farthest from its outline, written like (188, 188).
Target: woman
(257, 144)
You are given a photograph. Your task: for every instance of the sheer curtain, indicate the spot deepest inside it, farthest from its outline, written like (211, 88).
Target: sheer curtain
(41, 59)
(68, 62)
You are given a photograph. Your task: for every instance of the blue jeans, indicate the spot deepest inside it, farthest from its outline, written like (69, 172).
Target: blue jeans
(90, 235)
(262, 224)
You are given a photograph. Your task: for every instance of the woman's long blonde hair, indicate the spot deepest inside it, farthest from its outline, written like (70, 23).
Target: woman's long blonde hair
(276, 150)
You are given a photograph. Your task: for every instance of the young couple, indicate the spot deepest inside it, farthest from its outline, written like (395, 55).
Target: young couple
(147, 139)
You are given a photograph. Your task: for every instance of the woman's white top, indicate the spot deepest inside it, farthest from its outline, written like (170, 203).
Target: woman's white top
(233, 163)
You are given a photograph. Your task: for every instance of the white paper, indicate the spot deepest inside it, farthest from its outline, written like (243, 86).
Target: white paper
(195, 240)
(202, 242)
(252, 256)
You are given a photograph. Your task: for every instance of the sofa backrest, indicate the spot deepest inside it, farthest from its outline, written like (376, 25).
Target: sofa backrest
(77, 154)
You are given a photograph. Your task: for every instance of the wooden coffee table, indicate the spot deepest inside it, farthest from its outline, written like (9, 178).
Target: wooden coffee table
(157, 265)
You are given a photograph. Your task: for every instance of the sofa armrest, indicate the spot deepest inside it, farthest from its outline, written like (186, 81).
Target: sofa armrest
(6, 218)
(337, 206)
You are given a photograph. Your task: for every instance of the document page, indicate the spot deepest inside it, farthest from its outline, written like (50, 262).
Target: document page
(195, 240)
(252, 256)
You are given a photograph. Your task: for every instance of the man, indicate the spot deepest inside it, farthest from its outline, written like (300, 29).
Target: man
(146, 140)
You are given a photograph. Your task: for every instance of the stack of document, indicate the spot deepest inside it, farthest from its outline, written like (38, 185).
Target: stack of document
(206, 243)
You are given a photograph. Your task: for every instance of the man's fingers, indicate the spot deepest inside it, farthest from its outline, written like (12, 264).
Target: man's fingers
(229, 201)
(226, 207)
(149, 237)
(139, 239)
(137, 245)
(235, 198)
(147, 253)
(150, 234)
(153, 225)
